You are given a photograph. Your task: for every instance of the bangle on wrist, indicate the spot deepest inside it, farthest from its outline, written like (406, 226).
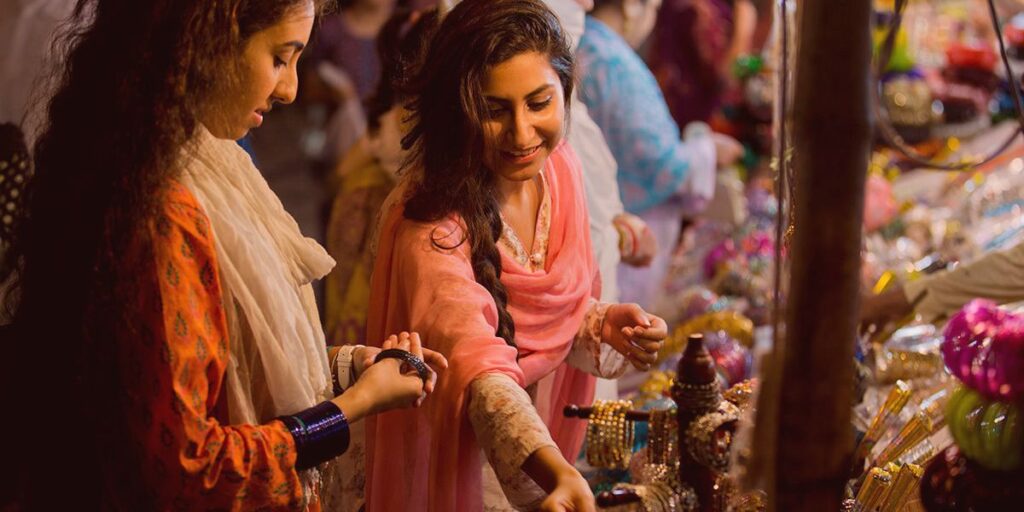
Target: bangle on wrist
(342, 368)
(320, 433)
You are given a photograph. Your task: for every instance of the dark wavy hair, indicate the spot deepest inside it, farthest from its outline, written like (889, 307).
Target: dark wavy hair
(447, 138)
(135, 78)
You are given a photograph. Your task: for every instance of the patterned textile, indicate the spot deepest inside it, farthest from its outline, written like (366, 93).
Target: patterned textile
(176, 406)
(624, 100)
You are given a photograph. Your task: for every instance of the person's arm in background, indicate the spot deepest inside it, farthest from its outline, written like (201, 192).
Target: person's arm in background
(997, 276)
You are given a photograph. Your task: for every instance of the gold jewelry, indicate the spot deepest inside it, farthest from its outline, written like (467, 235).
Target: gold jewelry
(734, 324)
(664, 436)
(897, 399)
(697, 397)
(890, 365)
(756, 501)
(740, 394)
(708, 442)
(610, 434)
(875, 486)
(913, 433)
(907, 483)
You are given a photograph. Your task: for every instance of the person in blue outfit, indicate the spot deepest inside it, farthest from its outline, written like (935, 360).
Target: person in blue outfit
(663, 176)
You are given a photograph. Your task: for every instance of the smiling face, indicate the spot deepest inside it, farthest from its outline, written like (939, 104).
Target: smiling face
(268, 75)
(524, 121)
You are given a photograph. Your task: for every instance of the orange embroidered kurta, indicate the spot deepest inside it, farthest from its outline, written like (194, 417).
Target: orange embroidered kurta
(192, 460)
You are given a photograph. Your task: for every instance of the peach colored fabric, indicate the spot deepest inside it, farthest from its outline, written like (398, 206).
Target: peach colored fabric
(428, 459)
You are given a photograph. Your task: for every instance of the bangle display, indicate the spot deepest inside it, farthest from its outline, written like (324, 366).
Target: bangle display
(320, 432)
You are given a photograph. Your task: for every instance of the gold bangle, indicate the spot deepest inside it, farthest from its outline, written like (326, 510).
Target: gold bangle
(664, 436)
(610, 434)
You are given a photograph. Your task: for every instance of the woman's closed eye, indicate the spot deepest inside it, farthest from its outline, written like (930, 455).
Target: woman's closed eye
(279, 62)
(538, 106)
(495, 111)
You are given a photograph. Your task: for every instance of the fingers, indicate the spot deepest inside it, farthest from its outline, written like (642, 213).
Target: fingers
(431, 382)
(657, 330)
(404, 342)
(390, 342)
(435, 359)
(416, 345)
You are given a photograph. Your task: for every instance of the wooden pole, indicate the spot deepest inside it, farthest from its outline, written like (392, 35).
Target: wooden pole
(831, 134)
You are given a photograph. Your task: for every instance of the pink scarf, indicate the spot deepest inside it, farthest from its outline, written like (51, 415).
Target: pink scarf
(428, 459)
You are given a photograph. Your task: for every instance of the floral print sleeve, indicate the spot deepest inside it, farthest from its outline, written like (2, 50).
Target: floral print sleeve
(194, 461)
(588, 353)
(508, 430)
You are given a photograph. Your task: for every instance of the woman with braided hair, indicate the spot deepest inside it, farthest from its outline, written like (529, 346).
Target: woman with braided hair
(484, 248)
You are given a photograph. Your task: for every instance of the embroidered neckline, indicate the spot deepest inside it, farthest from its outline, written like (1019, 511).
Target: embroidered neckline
(510, 241)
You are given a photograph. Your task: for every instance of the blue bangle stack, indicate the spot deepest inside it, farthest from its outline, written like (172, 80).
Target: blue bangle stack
(320, 433)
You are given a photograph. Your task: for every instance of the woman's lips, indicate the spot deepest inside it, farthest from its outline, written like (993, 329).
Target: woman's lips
(521, 157)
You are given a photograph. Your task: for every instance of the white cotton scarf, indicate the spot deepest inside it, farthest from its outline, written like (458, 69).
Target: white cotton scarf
(278, 360)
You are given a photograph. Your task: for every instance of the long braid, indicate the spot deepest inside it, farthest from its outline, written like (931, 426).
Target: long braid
(486, 262)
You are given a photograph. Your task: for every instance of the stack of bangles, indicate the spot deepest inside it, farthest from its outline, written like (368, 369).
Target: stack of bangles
(610, 434)
(321, 432)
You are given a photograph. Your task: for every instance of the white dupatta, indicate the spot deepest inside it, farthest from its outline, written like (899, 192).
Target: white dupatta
(278, 360)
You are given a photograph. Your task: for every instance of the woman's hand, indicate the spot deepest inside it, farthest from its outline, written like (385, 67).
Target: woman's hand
(634, 333)
(389, 384)
(566, 488)
(637, 244)
(571, 493)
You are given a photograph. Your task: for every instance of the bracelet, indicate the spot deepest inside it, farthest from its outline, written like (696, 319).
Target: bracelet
(393, 353)
(342, 368)
(320, 434)
(663, 436)
(610, 434)
(335, 382)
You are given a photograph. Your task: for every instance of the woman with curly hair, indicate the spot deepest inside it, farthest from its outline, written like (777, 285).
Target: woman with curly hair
(165, 351)
(485, 249)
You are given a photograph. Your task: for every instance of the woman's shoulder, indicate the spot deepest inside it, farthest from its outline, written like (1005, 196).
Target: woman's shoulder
(412, 237)
(178, 211)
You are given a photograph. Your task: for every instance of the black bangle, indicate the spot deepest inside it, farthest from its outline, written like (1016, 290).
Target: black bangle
(394, 353)
(320, 433)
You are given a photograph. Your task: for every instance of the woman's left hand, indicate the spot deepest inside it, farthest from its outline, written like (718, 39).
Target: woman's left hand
(634, 333)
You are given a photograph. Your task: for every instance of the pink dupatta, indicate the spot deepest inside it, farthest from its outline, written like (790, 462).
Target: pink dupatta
(428, 459)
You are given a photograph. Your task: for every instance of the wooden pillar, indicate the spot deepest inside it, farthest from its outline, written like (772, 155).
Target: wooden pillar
(831, 133)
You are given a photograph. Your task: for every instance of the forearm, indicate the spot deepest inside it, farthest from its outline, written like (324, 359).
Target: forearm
(509, 432)
(547, 467)
(997, 276)
(354, 404)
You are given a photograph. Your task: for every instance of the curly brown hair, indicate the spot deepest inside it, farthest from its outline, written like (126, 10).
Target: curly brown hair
(136, 77)
(447, 139)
